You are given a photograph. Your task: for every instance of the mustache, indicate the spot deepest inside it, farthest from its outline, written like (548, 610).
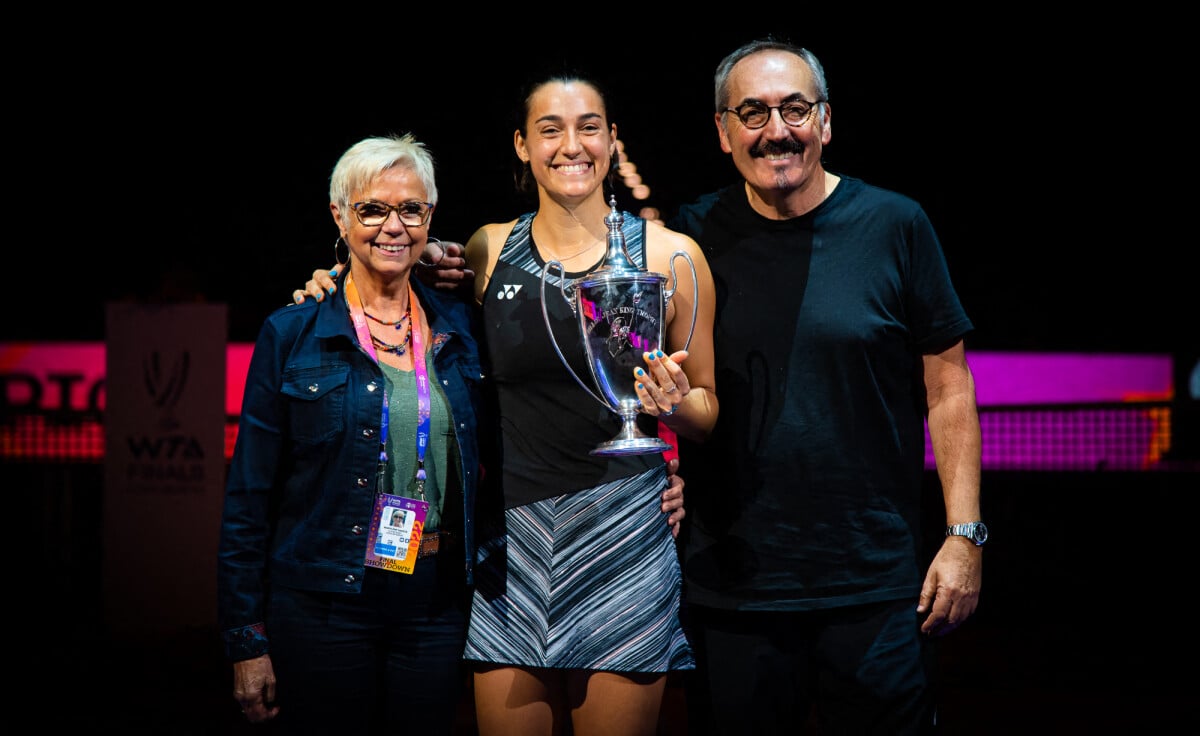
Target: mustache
(768, 148)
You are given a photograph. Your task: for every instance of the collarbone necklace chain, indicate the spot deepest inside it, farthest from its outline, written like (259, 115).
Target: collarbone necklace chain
(582, 250)
(577, 253)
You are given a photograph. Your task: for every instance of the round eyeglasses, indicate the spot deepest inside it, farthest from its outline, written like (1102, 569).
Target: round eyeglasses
(755, 115)
(374, 214)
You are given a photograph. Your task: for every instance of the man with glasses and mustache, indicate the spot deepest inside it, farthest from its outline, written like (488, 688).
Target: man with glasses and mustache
(838, 332)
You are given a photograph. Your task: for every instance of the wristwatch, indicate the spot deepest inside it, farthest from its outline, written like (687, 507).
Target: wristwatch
(976, 531)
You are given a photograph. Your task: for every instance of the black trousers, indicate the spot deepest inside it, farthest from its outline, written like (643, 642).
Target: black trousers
(385, 661)
(854, 670)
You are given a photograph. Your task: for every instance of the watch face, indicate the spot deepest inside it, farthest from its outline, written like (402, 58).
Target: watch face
(979, 534)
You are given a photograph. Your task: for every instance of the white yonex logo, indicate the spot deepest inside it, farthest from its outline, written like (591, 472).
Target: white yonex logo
(508, 291)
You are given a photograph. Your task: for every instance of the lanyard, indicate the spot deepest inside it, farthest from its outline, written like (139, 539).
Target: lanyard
(358, 316)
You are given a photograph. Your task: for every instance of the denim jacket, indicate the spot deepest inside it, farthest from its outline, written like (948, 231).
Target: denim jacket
(301, 486)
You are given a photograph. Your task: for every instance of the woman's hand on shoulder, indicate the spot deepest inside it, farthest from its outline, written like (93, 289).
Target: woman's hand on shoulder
(321, 283)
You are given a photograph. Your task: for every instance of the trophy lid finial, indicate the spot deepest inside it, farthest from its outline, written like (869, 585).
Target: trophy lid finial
(616, 258)
(614, 219)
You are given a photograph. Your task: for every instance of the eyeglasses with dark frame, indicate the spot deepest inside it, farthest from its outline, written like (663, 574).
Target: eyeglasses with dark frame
(755, 115)
(373, 214)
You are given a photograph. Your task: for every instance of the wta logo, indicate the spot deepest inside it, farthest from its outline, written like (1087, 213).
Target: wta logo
(508, 291)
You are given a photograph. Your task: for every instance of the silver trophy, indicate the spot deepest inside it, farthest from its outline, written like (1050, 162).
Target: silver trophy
(621, 310)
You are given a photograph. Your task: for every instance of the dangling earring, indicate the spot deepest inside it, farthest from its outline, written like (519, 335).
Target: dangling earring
(336, 257)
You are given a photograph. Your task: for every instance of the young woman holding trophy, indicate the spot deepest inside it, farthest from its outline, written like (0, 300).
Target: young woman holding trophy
(576, 608)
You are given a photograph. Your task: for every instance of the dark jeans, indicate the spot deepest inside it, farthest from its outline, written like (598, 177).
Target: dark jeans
(855, 670)
(386, 661)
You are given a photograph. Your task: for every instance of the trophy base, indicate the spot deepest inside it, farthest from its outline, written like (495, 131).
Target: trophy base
(631, 446)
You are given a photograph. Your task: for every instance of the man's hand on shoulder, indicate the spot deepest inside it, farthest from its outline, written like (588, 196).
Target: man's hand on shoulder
(444, 265)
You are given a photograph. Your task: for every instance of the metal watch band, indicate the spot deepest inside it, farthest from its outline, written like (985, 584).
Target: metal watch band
(976, 531)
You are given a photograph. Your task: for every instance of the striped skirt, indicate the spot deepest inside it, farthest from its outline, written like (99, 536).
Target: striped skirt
(586, 580)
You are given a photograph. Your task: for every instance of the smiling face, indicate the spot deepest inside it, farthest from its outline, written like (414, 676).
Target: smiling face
(566, 140)
(776, 157)
(388, 250)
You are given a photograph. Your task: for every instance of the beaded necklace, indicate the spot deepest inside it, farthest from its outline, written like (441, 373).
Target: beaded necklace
(388, 347)
(397, 324)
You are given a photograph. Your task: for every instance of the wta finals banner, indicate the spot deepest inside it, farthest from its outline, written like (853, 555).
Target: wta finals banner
(164, 463)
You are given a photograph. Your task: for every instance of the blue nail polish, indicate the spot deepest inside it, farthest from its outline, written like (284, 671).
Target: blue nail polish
(658, 354)
(640, 387)
(330, 290)
(640, 372)
(333, 273)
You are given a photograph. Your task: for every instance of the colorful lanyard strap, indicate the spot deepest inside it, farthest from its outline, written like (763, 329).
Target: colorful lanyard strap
(358, 316)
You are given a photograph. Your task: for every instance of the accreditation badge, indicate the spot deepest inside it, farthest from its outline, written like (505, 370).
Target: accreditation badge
(396, 527)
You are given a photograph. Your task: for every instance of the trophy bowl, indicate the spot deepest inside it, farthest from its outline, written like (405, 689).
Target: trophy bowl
(621, 312)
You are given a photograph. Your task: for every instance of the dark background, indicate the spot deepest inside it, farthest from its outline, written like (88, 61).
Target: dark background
(188, 158)
(181, 166)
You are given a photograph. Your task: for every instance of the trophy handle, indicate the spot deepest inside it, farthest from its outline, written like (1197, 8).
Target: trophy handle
(671, 292)
(562, 287)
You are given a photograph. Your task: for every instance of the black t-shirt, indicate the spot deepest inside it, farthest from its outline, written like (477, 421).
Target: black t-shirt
(808, 494)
